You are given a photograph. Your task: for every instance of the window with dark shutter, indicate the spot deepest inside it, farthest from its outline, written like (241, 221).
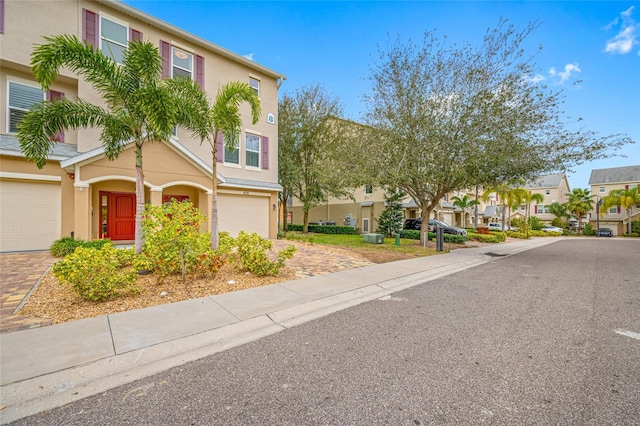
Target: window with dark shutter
(53, 95)
(90, 27)
(265, 153)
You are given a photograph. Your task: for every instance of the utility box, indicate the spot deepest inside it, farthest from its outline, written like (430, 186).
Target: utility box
(373, 238)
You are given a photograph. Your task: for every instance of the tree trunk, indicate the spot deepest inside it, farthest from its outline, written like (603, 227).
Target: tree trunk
(139, 199)
(285, 216)
(305, 222)
(214, 199)
(475, 214)
(424, 227)
(629, 227)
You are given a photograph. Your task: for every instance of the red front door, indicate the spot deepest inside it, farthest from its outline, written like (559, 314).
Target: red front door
(121, 216)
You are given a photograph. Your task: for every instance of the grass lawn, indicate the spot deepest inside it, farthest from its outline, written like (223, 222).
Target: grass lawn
(378, 253)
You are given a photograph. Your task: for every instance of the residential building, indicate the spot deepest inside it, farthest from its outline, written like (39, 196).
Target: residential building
(80, 192)
(602, 182)
(554, 188)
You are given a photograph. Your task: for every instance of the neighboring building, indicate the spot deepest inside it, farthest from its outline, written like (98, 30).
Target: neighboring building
(554, 188)
(79, 192)
(602, 182)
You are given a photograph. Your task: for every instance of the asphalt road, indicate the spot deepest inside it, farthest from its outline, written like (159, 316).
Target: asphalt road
(548, 336)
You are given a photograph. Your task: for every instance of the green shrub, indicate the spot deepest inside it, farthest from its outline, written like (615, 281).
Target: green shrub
(67, 245)
(98, 274)
(635, 226)
(521, 235)
(588, 230)
(298, 236)
(484, 238)
(500, 236)
(559, 222)
(411, 234)
(535, 223)
(252, 253)
(175, 245)
(325, 229)
(414, 234)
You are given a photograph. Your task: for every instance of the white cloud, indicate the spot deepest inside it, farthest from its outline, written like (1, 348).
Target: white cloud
(535, 79)
(569, 70)
(249, 56)
(627, 35)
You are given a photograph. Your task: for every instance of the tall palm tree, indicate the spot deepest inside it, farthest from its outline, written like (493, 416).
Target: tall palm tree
(464, 203)
(580, 202)
(529, 198)
(624, 198)
(223, 118)
(138, 106)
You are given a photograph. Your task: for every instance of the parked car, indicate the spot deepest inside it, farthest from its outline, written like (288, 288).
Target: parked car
(551, 228)
(417, 224)
(497, 226)
(604, 232)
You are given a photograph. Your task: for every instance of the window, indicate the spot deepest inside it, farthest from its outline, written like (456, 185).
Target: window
(181, 63)
(613, 210)
(546, 209)
(252, 148)
(113, 39)
(255, 85)
(602, 189)
(368, 189)
(21, 99)
(548, 191)
(539, 209)
(232, 157)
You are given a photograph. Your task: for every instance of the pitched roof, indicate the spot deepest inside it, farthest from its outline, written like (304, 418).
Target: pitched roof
(547, 181)
(615, 175)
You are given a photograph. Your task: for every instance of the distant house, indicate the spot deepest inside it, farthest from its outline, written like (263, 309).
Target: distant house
(602, 182)
(79, 192)
(554, 188)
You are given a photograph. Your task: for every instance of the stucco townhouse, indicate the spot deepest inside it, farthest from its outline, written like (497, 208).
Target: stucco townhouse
(602, 182)
(79, 192)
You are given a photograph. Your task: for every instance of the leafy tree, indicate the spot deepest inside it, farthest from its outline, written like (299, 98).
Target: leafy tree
(627, 199)
(580, 203)
(464, 203)
(314, 158)
(137, 105)
(391, 219)
(453, 117)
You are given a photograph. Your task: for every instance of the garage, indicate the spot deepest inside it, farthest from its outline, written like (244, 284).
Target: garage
(243, 213)
(31, 215)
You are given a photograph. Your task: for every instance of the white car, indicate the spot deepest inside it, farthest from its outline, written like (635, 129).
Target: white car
(497, 226)
(550, 228)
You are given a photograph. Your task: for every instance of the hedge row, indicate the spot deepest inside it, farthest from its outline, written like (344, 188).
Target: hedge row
(414, 234)
(325, 229)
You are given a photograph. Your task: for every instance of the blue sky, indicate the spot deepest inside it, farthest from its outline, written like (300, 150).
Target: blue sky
(335, 43)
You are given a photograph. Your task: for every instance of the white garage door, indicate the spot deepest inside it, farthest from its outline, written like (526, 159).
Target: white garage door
(30, 215)
(243, 213)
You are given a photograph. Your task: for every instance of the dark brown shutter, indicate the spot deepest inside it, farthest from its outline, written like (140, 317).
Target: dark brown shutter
(165, 53)
(220, 148)
(135, 35)
(264, 146)
(90, 27)
(1, 16)
(199, 71)
(53, 95)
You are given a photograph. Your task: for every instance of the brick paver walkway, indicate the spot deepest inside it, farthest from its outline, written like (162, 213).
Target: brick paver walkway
(19, 273)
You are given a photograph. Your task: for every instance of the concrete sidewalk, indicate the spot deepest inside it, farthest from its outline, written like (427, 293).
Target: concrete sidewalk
(51, 366)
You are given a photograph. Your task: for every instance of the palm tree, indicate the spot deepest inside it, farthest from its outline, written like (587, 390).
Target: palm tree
(464, 203)
(222, 119)
(502, 191)
(529, 198)
(580, 202)
(138, 106)
(559, 210)
(624, 198)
